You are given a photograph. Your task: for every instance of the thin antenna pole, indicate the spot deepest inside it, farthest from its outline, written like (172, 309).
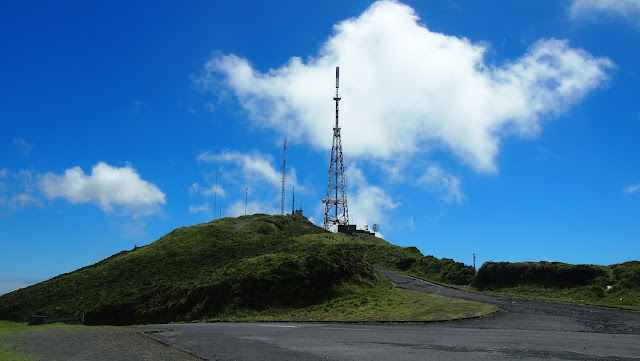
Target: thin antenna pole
(246, 192)
(215, 196)
(293, 201)
(284, 172)
(220, 209)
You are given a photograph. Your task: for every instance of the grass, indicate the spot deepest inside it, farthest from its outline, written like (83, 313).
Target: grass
(380, 304)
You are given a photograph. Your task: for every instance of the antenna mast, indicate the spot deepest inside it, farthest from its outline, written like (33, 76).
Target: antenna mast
(335, 211)
(215, 196)
(284, 170)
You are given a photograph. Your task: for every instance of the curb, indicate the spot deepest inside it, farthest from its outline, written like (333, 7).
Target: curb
(146, 334)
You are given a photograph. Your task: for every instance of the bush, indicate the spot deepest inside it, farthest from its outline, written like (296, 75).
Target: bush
(443, 270)
(493, 275)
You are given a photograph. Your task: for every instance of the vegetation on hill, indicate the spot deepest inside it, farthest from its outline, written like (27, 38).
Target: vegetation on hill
(443, 270)
(616, 285)
(251, 265)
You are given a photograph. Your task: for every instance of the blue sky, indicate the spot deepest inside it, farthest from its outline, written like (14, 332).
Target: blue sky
(506, 129)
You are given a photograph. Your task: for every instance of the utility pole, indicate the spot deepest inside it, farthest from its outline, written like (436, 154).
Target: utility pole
(474, 261)
(246, 192)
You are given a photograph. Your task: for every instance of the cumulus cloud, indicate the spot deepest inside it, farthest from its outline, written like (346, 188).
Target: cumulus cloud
(3, 186)
(255, 167)
(23, 146)
(24, 200)
(106, 186)
(17, 190)
(367, 203)
(407, 89)
(199, 209)
(631, 189)
(207, 190)
(257, 172)
(238, 208)
(446, 184)
(588, 8)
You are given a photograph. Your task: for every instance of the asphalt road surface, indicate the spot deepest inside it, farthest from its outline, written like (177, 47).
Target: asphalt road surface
(524, 330)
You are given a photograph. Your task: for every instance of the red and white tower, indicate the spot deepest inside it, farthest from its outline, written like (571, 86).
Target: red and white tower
(336, 211)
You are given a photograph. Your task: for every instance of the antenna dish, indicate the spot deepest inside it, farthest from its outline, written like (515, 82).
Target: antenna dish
(376, 227)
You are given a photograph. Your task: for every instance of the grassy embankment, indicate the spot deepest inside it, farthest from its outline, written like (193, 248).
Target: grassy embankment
(251, 267)
(615, 285)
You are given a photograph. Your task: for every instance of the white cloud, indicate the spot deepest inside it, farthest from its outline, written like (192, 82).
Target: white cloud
(255, 167)
(107, 186)
(367, 204)
(631, 189)
(3, 186)
(256, 172)
(201, 208)
(447, 184)
(406, 89)
(626, 8)
(207, 190)
(24, 147)
(18, 191)
(24, 200)
(238, 208)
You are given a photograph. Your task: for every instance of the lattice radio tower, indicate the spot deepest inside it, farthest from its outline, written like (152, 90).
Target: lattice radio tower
(335, 210)
(284, 174)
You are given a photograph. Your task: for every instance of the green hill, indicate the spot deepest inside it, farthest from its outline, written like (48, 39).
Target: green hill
(251, 265)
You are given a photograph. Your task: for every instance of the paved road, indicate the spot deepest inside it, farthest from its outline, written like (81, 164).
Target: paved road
(522, 314)
(525, 330)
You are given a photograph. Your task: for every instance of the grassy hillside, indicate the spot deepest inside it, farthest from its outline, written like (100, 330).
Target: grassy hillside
(616, 285)
(251, 265)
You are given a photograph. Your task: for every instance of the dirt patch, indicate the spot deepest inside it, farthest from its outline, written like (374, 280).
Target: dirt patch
(241, 224)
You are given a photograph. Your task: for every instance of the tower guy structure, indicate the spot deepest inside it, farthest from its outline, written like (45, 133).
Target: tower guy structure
(335, 210)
